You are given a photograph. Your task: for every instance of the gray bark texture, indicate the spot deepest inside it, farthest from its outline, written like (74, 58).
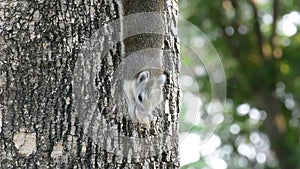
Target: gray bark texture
(61, 101)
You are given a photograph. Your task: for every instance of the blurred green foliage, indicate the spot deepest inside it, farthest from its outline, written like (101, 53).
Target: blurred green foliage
(258, 42)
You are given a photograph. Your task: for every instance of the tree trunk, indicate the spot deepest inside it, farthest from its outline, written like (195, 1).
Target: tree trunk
(276, 127)
(61, 72)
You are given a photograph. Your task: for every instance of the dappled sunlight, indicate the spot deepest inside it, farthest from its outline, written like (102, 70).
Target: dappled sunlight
(287, 26)
(234, 129)
(243, 109)
(258, 42)
(189, 148)
(192, 148)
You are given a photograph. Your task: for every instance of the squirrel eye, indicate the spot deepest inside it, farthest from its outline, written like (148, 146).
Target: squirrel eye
(140, 97)
(143, 76)
(142, 79)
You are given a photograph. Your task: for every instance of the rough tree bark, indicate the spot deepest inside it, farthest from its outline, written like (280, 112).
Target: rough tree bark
(47, 119)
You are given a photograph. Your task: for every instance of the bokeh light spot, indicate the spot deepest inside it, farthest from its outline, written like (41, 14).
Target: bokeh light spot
(243, 109)
(284, 68)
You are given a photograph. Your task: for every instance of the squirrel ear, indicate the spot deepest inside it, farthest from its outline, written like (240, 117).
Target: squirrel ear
(143, 76)
(162, 79)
